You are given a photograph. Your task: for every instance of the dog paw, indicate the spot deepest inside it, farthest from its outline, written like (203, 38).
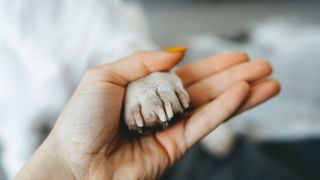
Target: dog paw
(154, 102)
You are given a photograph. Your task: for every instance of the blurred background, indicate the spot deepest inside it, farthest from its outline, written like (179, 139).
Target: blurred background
(280, 139)
(171, 19)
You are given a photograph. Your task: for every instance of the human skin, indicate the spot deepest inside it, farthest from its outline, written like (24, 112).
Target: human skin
(89, 142)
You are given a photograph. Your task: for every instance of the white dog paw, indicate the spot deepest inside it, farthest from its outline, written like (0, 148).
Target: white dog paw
(154, 102)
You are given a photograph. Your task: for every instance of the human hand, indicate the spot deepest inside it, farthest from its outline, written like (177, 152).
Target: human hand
(88, 141)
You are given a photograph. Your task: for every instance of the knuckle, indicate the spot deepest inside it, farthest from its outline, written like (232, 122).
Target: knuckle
(276, 86)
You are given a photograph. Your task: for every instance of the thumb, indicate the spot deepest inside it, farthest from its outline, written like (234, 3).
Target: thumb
(141, 64)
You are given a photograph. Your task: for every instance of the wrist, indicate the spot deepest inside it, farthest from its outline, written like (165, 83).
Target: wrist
(45, 163)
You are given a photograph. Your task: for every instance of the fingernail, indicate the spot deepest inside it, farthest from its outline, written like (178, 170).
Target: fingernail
(164, 124)
(140, 130)
(185, 104)
(176, 117)
(177, 49)
(138, 119)
(139, 123)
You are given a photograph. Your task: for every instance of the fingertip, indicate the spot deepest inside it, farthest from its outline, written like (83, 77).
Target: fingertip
(275, 86)
(262, 68)
(240, 55)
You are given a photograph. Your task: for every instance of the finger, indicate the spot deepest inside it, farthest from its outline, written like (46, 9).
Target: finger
(136, 66)
(191, 73)
(211, 115)
(259, 93)
(211, 87)
(178, 138)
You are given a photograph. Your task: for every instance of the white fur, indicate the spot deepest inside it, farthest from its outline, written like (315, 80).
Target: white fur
(156, 99)
(45, 46)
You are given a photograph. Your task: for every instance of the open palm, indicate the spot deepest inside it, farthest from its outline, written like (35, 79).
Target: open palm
(93, 144)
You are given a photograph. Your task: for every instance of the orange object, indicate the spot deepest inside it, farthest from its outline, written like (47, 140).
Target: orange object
(176, 49)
